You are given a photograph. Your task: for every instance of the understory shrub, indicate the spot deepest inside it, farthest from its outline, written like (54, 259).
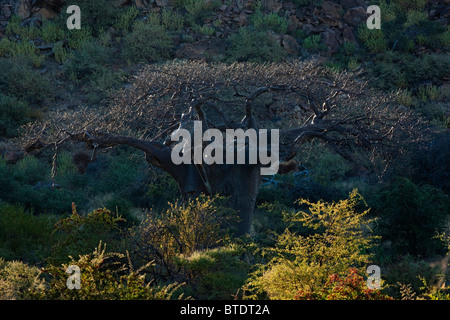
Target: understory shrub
(250, 44)
(23, 235)
(20, 80)
(339, 240)
(104, 276)
(79, 234)
(409, 217)
(137, 47)
(199, 224)
(13, 113)
(352, 287)
(214, 274)
(17, 280)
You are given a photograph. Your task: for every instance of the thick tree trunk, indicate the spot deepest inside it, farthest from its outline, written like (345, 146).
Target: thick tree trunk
(240, 183)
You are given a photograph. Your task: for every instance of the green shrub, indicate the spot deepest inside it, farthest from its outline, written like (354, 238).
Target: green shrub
(410, 215)
(407, 270)
(102, 84)
(411, 4)
(23, 235)
(126, 18)
(52, 32)
(199, 224)
(270, 21)
(88, 60)
(138, 48)
(17, 280)
(18, 79)
(11, 49)
(373, 39)
(214, 274)
(338, 241)
(13, 113)
(80, 234)
(25, 33)
(199, 9)
(312, 43)
(60, 52)
(352, 287)
(162, 190)
(414, 17)
(76, 38)
(98, 15)
(427, 93)
(172, 20)
(104, 276)
(252, 45)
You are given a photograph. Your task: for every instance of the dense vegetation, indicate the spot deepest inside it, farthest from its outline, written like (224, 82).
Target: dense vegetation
(316, 228)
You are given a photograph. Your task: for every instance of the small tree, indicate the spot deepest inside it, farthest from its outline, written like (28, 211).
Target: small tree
(305, 263)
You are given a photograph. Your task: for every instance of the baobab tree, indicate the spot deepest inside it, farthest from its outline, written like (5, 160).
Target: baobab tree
(302, 99)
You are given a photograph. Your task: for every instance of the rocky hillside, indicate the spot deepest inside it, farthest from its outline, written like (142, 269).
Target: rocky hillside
(61, 68)
(335, 21)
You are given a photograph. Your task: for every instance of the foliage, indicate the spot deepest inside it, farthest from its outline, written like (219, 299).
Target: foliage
(104, 276)
(125, 19)
(352, 287)
(98, 15)
(23, 235)
(249, 44)
(312, 43)
(18, 79)
(411, 272)
(90, 64)
(373, 39)
(60, 52)
(79, 234)
(172, 19)
(306, 262)
(17, 279)
(25, 33)
(52, 32)
(12, 49)
(411, 4)
(409, 216)
(13, 113)
(214, 274)
(88, 60)
(198, 9)
(271, 21)
(137, 48)
(198, 225)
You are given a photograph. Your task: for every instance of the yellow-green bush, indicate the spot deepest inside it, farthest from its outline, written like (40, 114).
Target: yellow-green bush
(18, 280)
(340, 240)
(183, 229)
(103, 276)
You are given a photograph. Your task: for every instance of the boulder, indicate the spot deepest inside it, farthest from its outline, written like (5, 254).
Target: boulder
(347, 4)
(331, 22)
(290, 44)
(356, 16)
(201, 49)
(271, 5)
(293, 24)
(332, 9)
(47, 13)
(23, 8)
(330, 39)
(348, 35)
